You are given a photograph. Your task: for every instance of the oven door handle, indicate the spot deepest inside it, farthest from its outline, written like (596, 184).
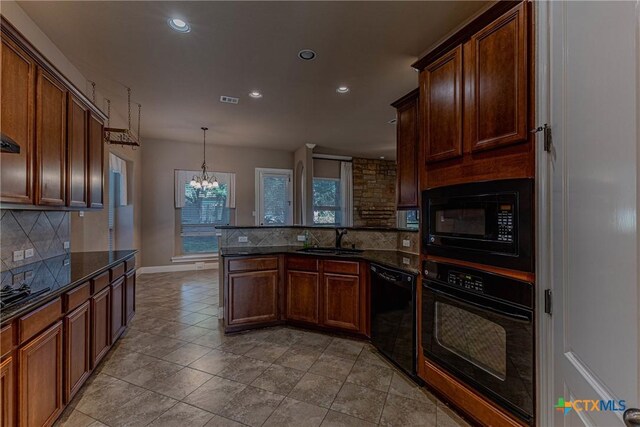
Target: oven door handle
(491, 308)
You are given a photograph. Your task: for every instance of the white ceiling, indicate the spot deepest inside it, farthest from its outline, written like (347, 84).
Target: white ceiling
(235, 47)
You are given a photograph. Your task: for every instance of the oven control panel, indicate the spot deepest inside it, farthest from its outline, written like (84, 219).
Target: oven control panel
(505, 223)
(466, 281)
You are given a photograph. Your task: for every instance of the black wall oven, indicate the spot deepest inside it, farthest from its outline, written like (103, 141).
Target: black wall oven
(487, 222)
(479, 327)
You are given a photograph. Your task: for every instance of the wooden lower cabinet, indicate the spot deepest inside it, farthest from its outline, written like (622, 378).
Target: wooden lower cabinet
(40, 378)
(118, 309)
(77, 344)
(7, 393)
(253, 297)
(100, 325)
(341, 301)
(303, 294)
(130, 295)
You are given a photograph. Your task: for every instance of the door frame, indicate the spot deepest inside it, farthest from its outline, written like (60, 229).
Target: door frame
(258, 193)
(544, 254)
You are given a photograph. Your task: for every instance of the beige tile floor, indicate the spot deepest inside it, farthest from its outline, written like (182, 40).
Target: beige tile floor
(175, 367)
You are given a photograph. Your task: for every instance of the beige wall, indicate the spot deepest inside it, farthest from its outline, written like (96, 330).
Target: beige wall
(161, 158)
(323, 168)
(303, 157)
(88, 233)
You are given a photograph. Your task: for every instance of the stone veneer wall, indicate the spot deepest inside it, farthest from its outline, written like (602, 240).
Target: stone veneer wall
(44, 231)
(324, 237)
(374, 193)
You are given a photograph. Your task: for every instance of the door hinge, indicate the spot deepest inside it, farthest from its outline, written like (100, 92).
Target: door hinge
(546, 136)
(547, 301)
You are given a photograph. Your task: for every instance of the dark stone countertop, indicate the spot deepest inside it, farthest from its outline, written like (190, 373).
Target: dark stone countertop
(59, 274)
(404, 261)
(319, 227)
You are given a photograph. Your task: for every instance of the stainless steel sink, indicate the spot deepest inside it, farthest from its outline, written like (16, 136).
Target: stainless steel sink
(331, 251)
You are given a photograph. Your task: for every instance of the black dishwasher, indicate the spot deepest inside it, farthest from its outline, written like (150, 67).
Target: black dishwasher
(393, 316)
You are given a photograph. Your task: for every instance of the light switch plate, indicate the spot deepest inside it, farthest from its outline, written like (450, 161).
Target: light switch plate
(81, 214)
(66, 245)
(301, 238)
(406, 243)
(28, 253)
(406, 260)
(28, 275)
(18, 279)
(18, 255)
(243, 239)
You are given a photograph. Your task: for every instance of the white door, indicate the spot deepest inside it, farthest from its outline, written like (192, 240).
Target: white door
(274, 194)
(594, 116)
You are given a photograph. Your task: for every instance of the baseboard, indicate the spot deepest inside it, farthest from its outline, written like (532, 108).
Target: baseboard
(181, 267)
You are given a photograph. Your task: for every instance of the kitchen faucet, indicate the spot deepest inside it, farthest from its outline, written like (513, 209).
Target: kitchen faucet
(340, 232)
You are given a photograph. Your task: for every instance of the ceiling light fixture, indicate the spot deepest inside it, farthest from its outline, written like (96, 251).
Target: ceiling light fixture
(306, 54)
(179, 25)
(204, 181)
(381, 157)
(342, 89)
(255, 94)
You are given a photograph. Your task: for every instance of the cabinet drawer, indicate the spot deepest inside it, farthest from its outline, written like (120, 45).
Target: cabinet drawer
(100, 282)
(6, 340)
(253, 264)
(39, 319)
(302, 263)
(346, 267)
(130, 264)
(117, 271)
(74, 298)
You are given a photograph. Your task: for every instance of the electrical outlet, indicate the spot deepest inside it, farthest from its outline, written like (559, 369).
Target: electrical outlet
(302, 238)
(406, 243)
(28, 275)
(18, 255)
(18, 279)
(199, 265)
(243, 239)
(406, 260)
(65, 245)
(28, 253)
(81, 214)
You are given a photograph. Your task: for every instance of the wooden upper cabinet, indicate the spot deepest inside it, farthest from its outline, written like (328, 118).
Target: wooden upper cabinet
(303, 292)
(78, 141)
(17, 118)
(96, 162)
(407, 151)
(441, 101)
(51, 140)
(495, 63)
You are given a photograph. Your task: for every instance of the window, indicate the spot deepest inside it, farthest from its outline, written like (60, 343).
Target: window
(408, 219)
(202, 211)
(273, 197)
(326, 201)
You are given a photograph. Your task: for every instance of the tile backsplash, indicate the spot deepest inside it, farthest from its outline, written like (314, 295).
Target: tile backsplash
(43, 231)
(284, 236)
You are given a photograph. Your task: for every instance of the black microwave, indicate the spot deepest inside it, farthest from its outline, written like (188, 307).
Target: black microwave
(488, 222)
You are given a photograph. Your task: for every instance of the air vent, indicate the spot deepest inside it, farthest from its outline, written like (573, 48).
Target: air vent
(229, 99)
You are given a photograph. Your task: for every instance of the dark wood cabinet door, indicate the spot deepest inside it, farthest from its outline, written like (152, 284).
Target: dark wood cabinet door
(51, 140)
(7, 393)
(253, 297)
(407, 153)
(441, 104)
(77, 344)
(77, 145)
(342, 301)
(118, 309)
(100, 325)
(40, 378)
(96, 162)
(17, 115)
(303, 292)
(495, 66)
(130, 295)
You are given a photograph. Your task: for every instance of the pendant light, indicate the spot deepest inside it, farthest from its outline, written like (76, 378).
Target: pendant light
(204, 180)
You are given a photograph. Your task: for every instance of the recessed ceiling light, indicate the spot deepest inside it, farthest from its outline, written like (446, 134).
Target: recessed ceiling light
(381, 157)
(255, 94)
(306, 54)
(179, 25)
(342, 89)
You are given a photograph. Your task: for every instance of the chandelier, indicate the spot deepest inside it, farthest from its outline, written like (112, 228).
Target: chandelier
(204, 180)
